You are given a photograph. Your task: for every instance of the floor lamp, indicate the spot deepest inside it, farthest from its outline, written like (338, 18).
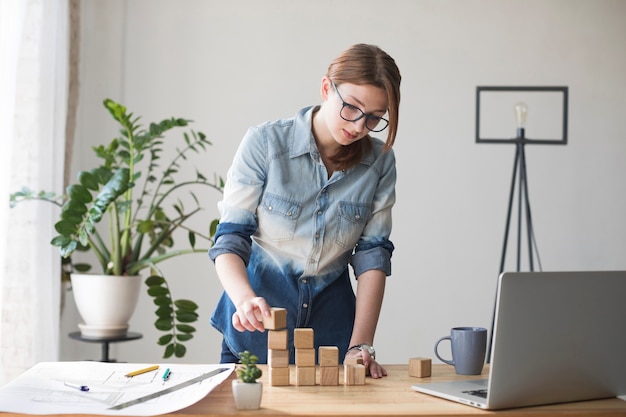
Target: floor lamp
(519, 181)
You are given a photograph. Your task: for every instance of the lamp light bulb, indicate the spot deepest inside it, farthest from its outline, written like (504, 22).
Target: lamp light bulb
(521, 111)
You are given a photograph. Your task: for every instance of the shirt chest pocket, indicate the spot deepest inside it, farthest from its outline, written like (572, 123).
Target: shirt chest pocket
(278, 217)
(352, 220)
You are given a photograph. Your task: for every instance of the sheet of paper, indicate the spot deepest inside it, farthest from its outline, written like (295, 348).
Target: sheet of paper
(54, 388)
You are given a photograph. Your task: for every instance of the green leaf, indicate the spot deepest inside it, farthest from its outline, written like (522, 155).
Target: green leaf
(156, 291)
(213, 227)
(60, 241)
(154, 280)
(187, 305)
(169, 351)
(185, 328)
(65, 228)
(163, 324)
(165, 339)
(162, 300)
(88, 180)
(79, 193)
(192, 239)
(186, 317)
(68, 249)
(82, 267)
(183, 337)
(180, 350)
(145, 226)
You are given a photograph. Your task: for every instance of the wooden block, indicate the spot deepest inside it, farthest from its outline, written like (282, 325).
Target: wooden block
(279, 377)
(328, 356)
(354, 374)
(305, 357)
(303, 338)
(305, 375)
(278, 358)
(277, 339)
(277, 321)
(420, 367)
(353, 361)
(329, 375)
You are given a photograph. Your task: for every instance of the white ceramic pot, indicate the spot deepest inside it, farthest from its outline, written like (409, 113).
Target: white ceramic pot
(247, 395)
(105, 302)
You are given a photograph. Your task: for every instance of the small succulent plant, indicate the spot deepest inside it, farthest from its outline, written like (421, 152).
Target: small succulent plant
(249, 372)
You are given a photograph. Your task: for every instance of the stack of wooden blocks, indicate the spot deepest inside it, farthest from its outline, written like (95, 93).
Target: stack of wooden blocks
(353, 371)
(304, 343)
(328, 358)
(277, 347)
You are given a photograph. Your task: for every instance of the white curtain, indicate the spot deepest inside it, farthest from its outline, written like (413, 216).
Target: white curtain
(33, 97)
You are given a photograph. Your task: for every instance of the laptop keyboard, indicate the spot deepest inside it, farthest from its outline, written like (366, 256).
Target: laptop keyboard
(478, 393)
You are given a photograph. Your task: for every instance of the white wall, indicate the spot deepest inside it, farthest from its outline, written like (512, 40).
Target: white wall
(231, 64)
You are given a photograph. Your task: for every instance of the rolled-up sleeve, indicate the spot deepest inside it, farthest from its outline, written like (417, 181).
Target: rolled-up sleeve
(242, 192)
(232, 238)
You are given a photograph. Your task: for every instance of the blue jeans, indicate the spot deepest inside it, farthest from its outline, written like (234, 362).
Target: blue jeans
(227, 356)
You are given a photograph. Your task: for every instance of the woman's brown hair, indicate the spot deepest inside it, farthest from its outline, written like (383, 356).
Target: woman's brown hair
(364, 64)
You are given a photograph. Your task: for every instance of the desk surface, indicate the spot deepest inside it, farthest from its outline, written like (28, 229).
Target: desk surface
(389, 396)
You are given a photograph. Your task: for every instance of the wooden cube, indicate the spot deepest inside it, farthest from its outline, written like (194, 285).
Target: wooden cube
(305, 375)
(277, 339)
(303, 338)
(420, 367)
(354, 374)
(353, 361)
(279, 377)
(305, 357)
(329, 375)
(277, 321)
(328, 356)
(277, 358)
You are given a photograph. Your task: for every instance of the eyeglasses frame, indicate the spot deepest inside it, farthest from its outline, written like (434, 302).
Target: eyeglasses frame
(368, 116)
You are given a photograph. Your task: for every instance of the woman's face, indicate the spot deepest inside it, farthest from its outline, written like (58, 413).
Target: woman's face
(347, 102)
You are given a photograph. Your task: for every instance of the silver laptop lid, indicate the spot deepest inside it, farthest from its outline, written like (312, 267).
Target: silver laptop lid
(558, 337)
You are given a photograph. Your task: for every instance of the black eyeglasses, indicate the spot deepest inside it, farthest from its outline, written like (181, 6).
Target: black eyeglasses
(351, 113)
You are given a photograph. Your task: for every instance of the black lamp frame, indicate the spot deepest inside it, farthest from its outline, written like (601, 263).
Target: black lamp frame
(521, 180)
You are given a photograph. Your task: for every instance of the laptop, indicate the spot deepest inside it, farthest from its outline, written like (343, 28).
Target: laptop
(558, 337)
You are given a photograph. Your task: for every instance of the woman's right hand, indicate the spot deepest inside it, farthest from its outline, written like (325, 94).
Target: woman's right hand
(249, 315)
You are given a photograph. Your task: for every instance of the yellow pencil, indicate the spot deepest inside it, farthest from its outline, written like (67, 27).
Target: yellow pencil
(142, 371)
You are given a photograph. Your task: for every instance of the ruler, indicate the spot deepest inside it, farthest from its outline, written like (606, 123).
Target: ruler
(168, 390)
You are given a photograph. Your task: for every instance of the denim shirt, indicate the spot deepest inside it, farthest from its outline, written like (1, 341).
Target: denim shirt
(297, 230)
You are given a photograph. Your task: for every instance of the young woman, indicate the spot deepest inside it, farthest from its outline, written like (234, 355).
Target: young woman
(305, 198)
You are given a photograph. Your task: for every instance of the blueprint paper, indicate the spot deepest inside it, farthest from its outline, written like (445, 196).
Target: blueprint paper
(44, 389)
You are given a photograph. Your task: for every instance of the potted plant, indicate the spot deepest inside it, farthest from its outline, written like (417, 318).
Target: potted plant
(120, 211)
(247, 391)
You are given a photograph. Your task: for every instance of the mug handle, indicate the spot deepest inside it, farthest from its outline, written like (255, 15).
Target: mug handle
(437, 353)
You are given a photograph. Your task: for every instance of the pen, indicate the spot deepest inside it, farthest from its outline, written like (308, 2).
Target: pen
(166, 374)
(83, 388)
(142, 371)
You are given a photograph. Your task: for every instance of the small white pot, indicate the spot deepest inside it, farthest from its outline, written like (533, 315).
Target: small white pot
(247, 395)
(105, 302)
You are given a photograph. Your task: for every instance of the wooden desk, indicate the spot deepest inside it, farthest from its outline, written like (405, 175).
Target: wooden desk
(389, 396)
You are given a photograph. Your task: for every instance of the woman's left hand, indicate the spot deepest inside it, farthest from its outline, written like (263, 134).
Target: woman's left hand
(373, 368)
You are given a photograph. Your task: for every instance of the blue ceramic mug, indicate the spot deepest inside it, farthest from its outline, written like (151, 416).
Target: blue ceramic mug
(468, 349)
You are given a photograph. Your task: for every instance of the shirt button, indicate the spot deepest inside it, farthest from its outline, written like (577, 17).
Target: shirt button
(357, 217)
(304, 281)
(270, 208)
(319, 212)
(317, 236)
(305, 305)
(288, 213)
